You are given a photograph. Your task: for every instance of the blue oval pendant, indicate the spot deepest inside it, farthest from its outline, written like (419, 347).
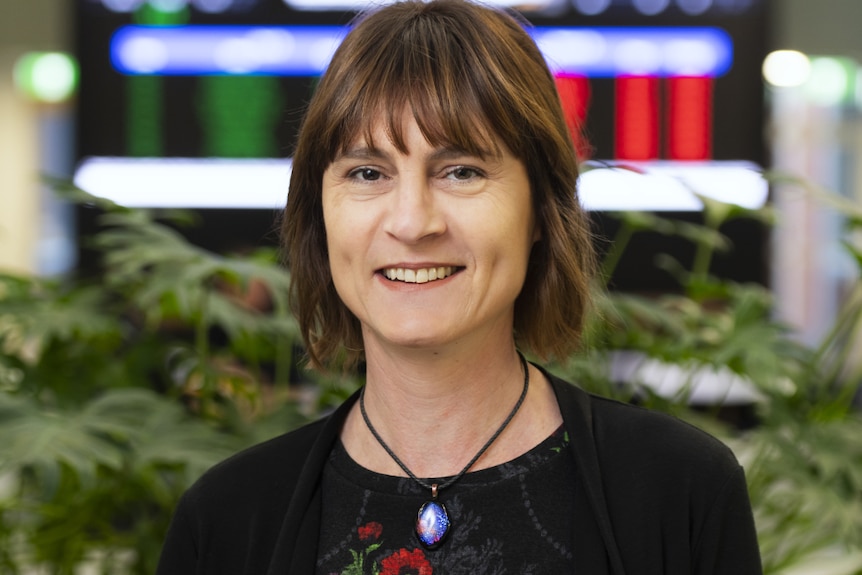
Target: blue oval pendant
(432, 524)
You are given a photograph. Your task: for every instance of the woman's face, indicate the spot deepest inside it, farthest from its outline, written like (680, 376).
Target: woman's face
(427, 248)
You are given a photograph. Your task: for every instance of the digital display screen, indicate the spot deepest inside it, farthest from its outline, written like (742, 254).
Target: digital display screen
(650, 79)
(196, 103)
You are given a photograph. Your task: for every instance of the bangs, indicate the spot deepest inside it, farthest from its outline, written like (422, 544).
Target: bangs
(426, 71)
(466, 129)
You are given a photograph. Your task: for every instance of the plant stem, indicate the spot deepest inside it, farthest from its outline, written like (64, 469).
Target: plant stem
(618, 247)
(202, 344)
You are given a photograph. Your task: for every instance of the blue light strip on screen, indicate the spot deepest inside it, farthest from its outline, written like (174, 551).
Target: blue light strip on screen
(306, 50)
(207, 50)
(612, 52)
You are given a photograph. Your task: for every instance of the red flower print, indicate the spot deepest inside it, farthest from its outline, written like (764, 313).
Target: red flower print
(404, 562)
(370, 531)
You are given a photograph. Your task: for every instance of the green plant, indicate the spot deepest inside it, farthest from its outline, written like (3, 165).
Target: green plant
(116, 393)
(804, 457)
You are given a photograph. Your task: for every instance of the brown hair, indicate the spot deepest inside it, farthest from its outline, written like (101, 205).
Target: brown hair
(472, 77)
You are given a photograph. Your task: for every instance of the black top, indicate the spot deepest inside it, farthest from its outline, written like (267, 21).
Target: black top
(653, 495)
(515, 518)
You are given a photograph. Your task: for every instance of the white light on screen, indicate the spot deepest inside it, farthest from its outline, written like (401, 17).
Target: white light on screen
(671, 186)
(694, 7)
(263, 184)
(689, 58)
(333, 5)
(612, 52)
(639, 57)
(276, 45)
(650, 7)
(213, 6)
(144, 55)
(169, 6)
(358, 5)
(186, 183)
(236, 55)
(574, 48)
(592, 7)
(196, 50)
(122, 5)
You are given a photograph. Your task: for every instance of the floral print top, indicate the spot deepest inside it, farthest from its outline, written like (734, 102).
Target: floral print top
(516, 518)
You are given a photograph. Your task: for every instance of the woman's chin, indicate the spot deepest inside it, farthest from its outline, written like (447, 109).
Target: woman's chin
(410, 339)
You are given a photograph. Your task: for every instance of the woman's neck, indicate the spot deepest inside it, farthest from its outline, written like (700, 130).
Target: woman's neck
(436, 410)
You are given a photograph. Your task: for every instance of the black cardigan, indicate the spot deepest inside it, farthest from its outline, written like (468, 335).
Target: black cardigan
(659, 497)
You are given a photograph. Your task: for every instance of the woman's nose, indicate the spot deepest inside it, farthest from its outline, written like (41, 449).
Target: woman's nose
(415, 212)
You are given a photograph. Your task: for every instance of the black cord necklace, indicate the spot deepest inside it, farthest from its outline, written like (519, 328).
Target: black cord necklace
(432, 522)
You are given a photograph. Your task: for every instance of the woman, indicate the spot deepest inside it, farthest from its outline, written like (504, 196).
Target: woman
(432, 231)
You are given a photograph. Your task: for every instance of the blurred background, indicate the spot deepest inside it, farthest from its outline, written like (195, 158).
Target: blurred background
(144, 328)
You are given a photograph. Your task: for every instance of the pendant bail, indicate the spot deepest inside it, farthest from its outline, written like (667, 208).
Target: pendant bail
(433, 491)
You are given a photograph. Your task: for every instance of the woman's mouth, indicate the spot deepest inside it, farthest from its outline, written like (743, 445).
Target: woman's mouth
(418, 276)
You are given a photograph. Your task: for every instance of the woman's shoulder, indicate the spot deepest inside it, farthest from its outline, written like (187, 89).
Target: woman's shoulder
(244, 501)
(264, 470)
(646, 472)
(634, 437)
(645, 435)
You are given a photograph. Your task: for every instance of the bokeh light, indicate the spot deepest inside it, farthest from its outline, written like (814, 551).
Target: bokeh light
(694, 7)
(49, 77)
(832, 81)
(650, 7)
(122, 5)
(786, 68)
(591, 7)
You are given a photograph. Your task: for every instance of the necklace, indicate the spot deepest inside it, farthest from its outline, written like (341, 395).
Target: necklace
(432, 521)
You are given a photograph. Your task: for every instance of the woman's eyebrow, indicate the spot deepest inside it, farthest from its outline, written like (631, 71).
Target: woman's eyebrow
(455, 152)
(361, 153)
(368, 153)
(449, 153)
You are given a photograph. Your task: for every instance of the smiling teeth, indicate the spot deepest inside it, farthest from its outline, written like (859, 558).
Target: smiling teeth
(420, 276)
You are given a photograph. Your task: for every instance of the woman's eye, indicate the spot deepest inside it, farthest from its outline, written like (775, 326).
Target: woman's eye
(365, 174)
(463, 173)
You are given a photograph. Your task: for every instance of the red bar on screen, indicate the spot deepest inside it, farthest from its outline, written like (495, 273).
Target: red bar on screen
(690, 118)
(575, 97)
(637, 118)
